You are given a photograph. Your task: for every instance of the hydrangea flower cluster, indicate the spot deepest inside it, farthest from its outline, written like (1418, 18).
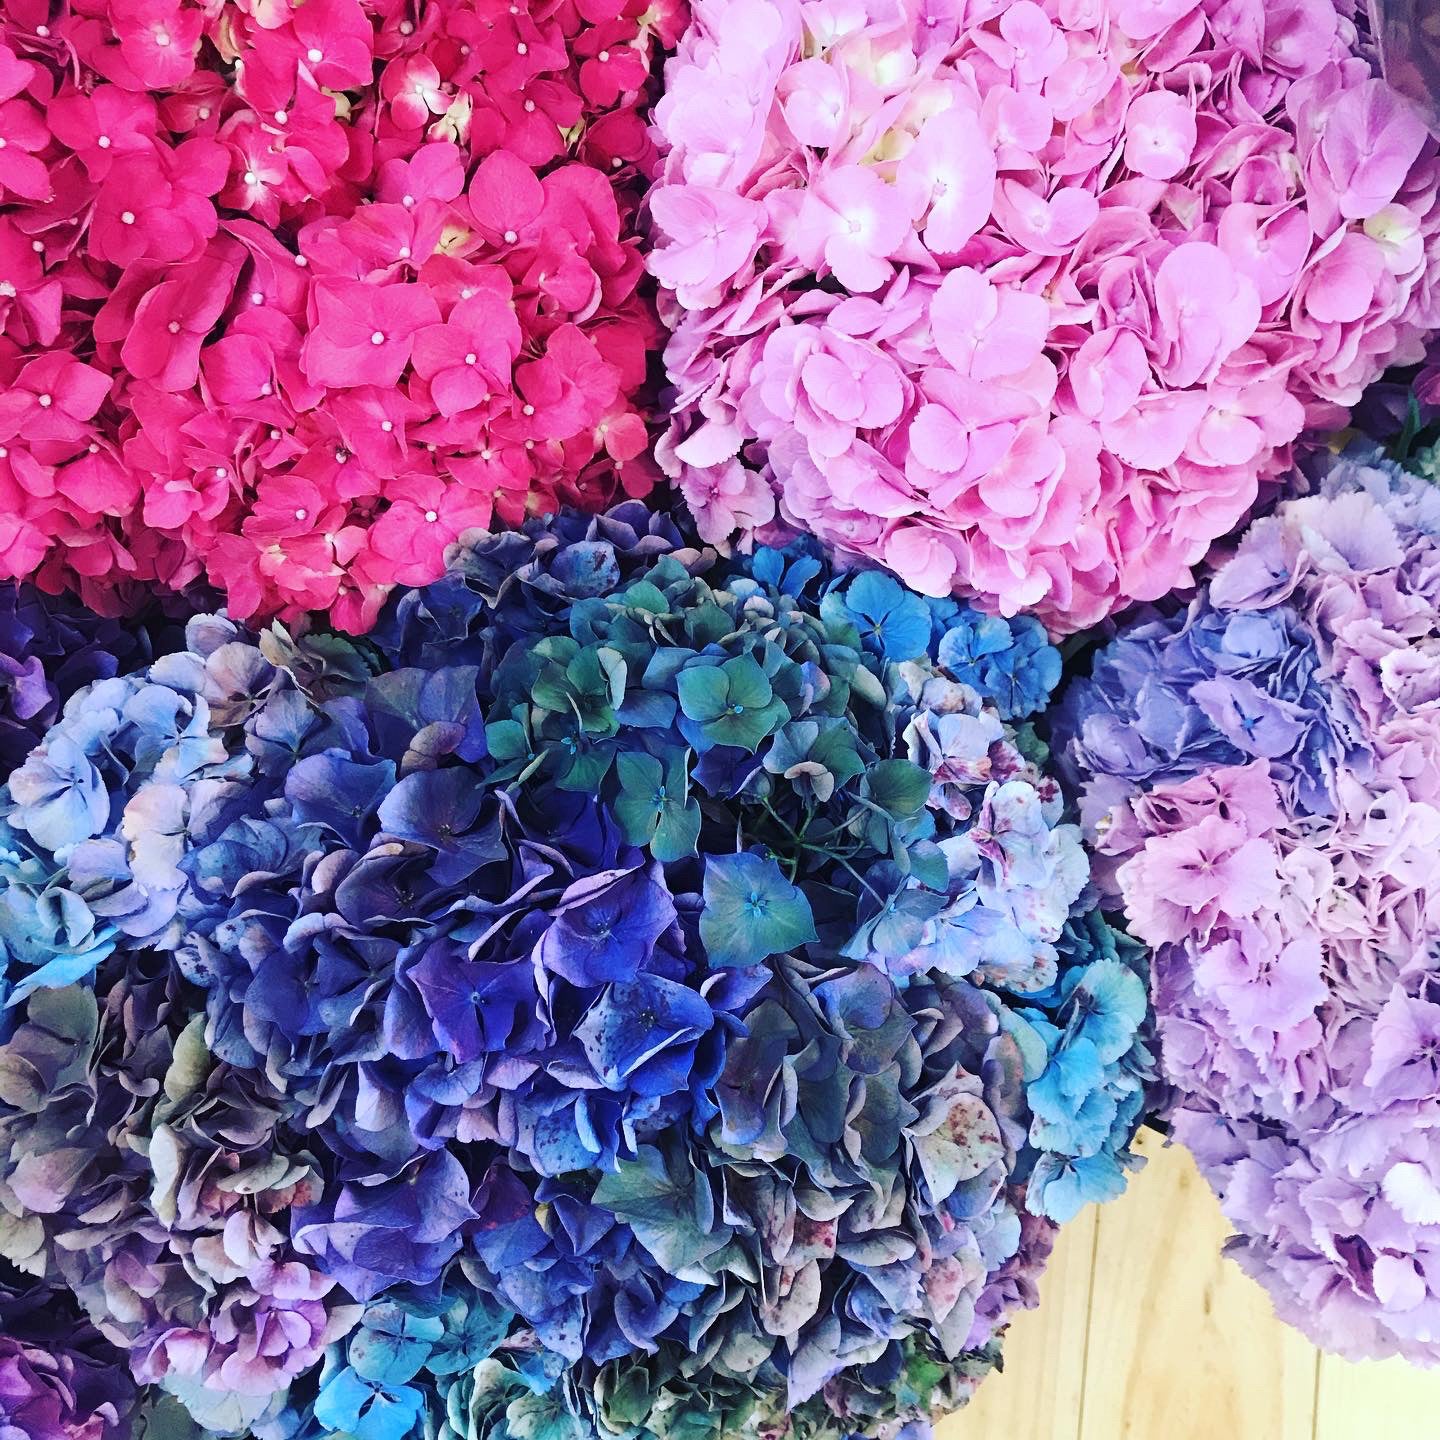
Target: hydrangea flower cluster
(51, 646)
(1023, 300)
(59, 1380)
(1261, 772)
(291, 295)
(630, 993)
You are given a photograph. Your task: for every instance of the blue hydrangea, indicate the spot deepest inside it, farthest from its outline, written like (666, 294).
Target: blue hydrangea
(614, 932)
(1010, 662)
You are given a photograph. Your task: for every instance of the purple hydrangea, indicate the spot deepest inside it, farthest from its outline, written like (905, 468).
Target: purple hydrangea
(59, 1379)
(50, 647)
(1266, 800)
(676, 967)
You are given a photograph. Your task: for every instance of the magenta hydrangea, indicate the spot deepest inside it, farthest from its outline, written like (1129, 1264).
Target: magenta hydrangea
(291, 295)
(1025, 301)
(1261, 772)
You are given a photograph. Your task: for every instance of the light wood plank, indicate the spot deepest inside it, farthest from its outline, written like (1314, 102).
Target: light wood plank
(1038, 1394)
(1183, 1345)
(1387, 1399)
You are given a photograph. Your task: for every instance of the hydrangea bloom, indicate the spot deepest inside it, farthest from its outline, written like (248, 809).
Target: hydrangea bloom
(1025, 300)
(1261, 771)
(292, 295)
(49, 648)
(662, 995)
(148, 1179)
(59, 1380)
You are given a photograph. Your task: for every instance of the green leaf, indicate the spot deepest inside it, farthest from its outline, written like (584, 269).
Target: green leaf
(653, 807)
(747, 729)
(867, 686)
(678, 832)
(506, 740)
(707, 624)
(747, 683)
(704, 692)
(616, 672)
(751, 911)
(668, 1205)
(552, 690)
(586, 771)
(642, 595)
(928, 864)
(898, 787)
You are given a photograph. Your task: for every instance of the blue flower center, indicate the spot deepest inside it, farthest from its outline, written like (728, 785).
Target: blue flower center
(659, 796)
(756, 903)
(737, 709)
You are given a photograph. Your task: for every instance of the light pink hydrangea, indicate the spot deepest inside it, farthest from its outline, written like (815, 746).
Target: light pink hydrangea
(1026, 300)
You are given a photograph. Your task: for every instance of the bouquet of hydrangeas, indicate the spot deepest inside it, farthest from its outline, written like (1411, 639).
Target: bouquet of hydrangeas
(1026, 301)
(1261, 772)
(291, 295)
(631, 993)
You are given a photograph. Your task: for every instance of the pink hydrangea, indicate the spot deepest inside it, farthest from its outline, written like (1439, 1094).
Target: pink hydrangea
(1026, 300)
(292, 295)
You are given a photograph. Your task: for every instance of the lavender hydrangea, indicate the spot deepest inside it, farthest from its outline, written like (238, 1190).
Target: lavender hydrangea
(629, 993)
(1261, 774)
(59, 1379)
(50, 647)
(153, 1183)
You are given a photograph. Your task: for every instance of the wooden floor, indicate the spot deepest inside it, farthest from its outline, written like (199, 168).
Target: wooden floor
(1145, 1333)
